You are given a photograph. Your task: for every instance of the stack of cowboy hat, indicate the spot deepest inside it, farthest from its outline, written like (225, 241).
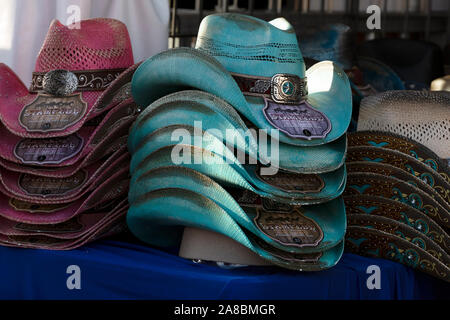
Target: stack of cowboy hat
(398, 190)
(63, 157)
(205, 175)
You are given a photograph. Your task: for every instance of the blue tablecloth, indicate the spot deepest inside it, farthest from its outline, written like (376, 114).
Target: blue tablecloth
(121, 270)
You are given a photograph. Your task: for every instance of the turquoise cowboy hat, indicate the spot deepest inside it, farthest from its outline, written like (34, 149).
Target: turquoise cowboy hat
(219, 163)
(257, 67)
(159, 216)
(329, 217)
(214, 115)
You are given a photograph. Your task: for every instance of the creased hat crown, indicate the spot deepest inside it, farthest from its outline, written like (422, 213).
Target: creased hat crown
(248, 45)
(96, 44)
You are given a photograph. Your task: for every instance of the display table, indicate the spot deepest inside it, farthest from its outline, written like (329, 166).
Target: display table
(112, 269)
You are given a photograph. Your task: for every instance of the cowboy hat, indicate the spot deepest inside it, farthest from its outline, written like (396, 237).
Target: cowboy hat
(403, 162)
(80, 73)
(110, 192)
(212, 114)
(360, 183)
(283, 187)
(376, 243)
(400, 212)
(148, 219)
(38, 189)
(392, 141)
(419, 115)
(328, 218)
(257, 68)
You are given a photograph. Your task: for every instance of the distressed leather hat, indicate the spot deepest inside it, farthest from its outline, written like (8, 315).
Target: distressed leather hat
(80, 73)
(392, 171)
(256, 67)
(236, 90)
(361, 183)
(402, 144)
(400, 212)
(369, 241)
(403, 231)
(402, 161)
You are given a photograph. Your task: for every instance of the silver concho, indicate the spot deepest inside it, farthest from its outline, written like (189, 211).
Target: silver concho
(287, 88)
(60, 82)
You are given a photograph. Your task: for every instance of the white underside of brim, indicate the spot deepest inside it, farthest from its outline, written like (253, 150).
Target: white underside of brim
(200, 244)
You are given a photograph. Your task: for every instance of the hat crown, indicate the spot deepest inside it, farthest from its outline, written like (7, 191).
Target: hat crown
(423, 116)
(251, 46)
(95, 44)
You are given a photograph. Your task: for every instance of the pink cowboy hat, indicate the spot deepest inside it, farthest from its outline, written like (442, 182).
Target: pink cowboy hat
(79, 74)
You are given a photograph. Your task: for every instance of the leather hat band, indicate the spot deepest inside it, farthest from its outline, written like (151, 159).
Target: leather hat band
(281, 88)
(88, 80)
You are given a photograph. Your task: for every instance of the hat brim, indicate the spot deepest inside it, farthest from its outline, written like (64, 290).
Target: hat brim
(392, 171)
(40, 190)
(14, 96)
(186, 68)
(404, 162)
(230, 172)
(392, 141)
(106, 227)
(401, 191)
(160, 216)
(380, 244)
(87, 142)
(29, 212)
(187, 107)
(379, 206)
(402, 230)
(82, 224)
(57, 172)
(330, 216)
